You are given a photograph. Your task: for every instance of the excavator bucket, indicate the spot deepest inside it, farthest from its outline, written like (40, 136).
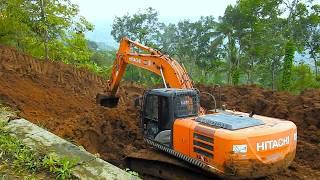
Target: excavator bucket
(107, 100)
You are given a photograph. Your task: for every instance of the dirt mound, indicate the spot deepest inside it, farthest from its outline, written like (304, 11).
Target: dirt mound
(61, 98)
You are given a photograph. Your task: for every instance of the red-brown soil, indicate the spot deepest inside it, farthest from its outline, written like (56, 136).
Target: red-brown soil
(61, 98)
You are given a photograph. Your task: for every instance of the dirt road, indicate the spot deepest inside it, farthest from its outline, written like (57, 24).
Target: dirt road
(60, 98)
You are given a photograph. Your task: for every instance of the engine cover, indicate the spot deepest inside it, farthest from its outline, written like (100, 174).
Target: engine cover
(229, 121)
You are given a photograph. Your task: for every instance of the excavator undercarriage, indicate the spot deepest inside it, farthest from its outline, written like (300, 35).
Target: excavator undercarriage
(155, 164)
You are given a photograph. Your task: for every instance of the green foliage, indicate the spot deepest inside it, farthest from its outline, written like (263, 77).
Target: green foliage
(142, 26)
(302, 78)
(312, 36)
(14, 27)
(93, 67)
(287, 66)
(141, 76)
(45, 29)
(235, 76)
(25, 159)
(62, 167)
(76, 49)
(103, 57)
(246, 45)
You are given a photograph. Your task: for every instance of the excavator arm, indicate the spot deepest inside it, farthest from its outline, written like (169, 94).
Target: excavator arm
(173, 74)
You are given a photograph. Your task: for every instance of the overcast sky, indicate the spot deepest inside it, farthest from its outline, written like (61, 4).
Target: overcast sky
(102, 12)
(97, 10)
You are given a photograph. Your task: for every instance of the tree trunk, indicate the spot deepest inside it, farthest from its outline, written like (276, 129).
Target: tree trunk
(251, 70)
(46, 49)
(315, 63)
(273, 75)
(45, 36)
(229, 73)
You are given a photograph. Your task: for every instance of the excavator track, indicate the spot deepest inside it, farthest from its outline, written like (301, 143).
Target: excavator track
(154, 164)
(157, 164)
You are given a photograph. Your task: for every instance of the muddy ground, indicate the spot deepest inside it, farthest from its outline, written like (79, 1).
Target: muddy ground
(61, 98)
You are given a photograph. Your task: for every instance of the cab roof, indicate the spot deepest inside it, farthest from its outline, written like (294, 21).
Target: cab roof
(172, 91)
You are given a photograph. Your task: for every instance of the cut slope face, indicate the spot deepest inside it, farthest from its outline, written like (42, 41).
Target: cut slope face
(61, 98)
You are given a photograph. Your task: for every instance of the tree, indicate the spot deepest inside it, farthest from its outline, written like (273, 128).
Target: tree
(302, 78)
(191, 43)
(184, 42)
(142, 26)
(261, 39)
(54, 20)
(301, 28)
(14, 23)
(168, 40)
(42, 27)
(254, 34)
(313, 35)
(73, 50)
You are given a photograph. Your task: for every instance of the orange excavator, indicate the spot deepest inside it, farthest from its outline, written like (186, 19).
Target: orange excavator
(221, 142)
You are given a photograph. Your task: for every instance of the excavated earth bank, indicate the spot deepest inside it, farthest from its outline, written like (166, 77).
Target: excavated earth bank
(61, 98)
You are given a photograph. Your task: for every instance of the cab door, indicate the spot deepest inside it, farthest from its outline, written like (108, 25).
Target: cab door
(151, 116)
(157, 122)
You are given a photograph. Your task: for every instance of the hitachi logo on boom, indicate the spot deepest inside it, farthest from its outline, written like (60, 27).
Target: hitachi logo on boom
(268, 145)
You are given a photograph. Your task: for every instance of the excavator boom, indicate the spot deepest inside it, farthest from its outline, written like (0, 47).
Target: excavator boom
(173, 74)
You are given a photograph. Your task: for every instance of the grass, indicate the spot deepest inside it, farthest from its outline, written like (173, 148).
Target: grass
(61, 167)
(16, 158)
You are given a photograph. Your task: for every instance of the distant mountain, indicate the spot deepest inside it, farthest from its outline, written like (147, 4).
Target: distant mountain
(101, 35)
(105, 46)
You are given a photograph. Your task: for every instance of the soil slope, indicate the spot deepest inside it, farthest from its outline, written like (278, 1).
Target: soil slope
(61, 98)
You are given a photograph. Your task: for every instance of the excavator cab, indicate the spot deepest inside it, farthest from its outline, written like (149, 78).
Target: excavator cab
(161, 107)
